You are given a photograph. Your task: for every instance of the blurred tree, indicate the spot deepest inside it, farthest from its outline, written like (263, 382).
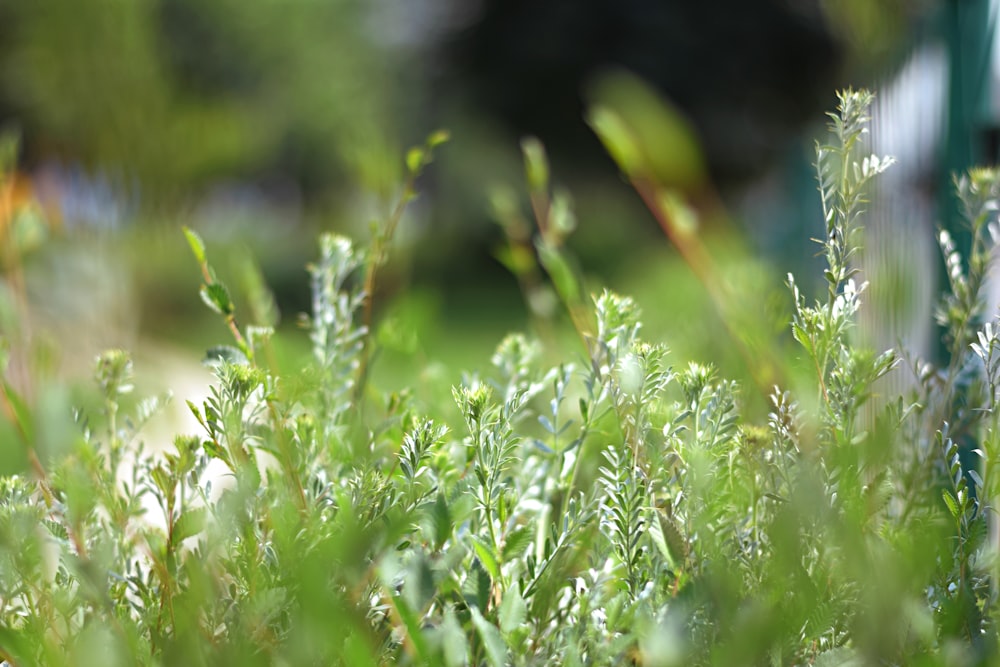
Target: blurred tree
(748, 75)
(182, 93)
(179, 94)
(315, 96)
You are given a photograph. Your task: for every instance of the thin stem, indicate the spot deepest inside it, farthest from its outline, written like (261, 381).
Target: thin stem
(579, 314)
(380, 245)
(696, 256)
(540, 206)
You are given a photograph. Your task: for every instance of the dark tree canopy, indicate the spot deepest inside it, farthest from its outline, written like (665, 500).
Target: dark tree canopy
(748, 74)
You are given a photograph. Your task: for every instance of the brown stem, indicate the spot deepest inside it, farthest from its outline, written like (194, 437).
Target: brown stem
(696, 256)
(238, 337)
(540, 208)
(379, 249)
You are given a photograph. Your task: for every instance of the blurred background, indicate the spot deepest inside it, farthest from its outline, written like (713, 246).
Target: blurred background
(260, 124)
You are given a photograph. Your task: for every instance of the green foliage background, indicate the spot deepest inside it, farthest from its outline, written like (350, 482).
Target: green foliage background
(610, 507)
(755, 492)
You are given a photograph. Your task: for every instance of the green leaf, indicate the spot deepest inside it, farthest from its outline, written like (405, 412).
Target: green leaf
(516, 543)
(477, 586)
(950, 501)
(162, 480)
(561, 272)
(799, 334)
(536, 164)
(217, 452)
(453, 640)
(977, 479)
(189, 523)
(197, 245)
(414, 160)
(263, 307)
(193, 407)
(681, 217)
(357, 651)
(20, 412)
(441, 518)
(496, 649)
(513, 610)
(677, 546)
(978, 531)
(248, 474)
(57, 530)
(617, 140)
(562, 219)
(216, 297)
(487, 557)
(437, 138)
(546, 424)
(413, 629)
(187, 447)
(55, 430)
(646, 135)
(13, 451)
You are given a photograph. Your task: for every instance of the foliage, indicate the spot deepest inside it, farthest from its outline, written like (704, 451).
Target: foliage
(608, 509)
(179, 95)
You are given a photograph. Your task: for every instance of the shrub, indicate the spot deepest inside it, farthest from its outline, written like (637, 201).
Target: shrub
(610, 509)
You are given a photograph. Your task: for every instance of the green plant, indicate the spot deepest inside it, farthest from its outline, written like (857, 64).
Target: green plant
(609, 509)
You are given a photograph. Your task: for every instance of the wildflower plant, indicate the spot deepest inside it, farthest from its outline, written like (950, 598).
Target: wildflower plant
(617, 507)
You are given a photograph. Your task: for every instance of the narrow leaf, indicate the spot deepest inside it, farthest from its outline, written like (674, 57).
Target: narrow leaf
(197, 245)
(546, 424)
(19, 412)
(536, 164)
(441, 518)
(453, 640)
(414, 160)
(949, 500)
(496, 649)
(976, 478)
(618, 140)
(413, 629)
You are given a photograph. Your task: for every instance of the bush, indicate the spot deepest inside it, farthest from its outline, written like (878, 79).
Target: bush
(608, 510)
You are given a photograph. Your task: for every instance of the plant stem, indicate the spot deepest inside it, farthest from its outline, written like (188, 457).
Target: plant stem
(761, 363)
(380, 245)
